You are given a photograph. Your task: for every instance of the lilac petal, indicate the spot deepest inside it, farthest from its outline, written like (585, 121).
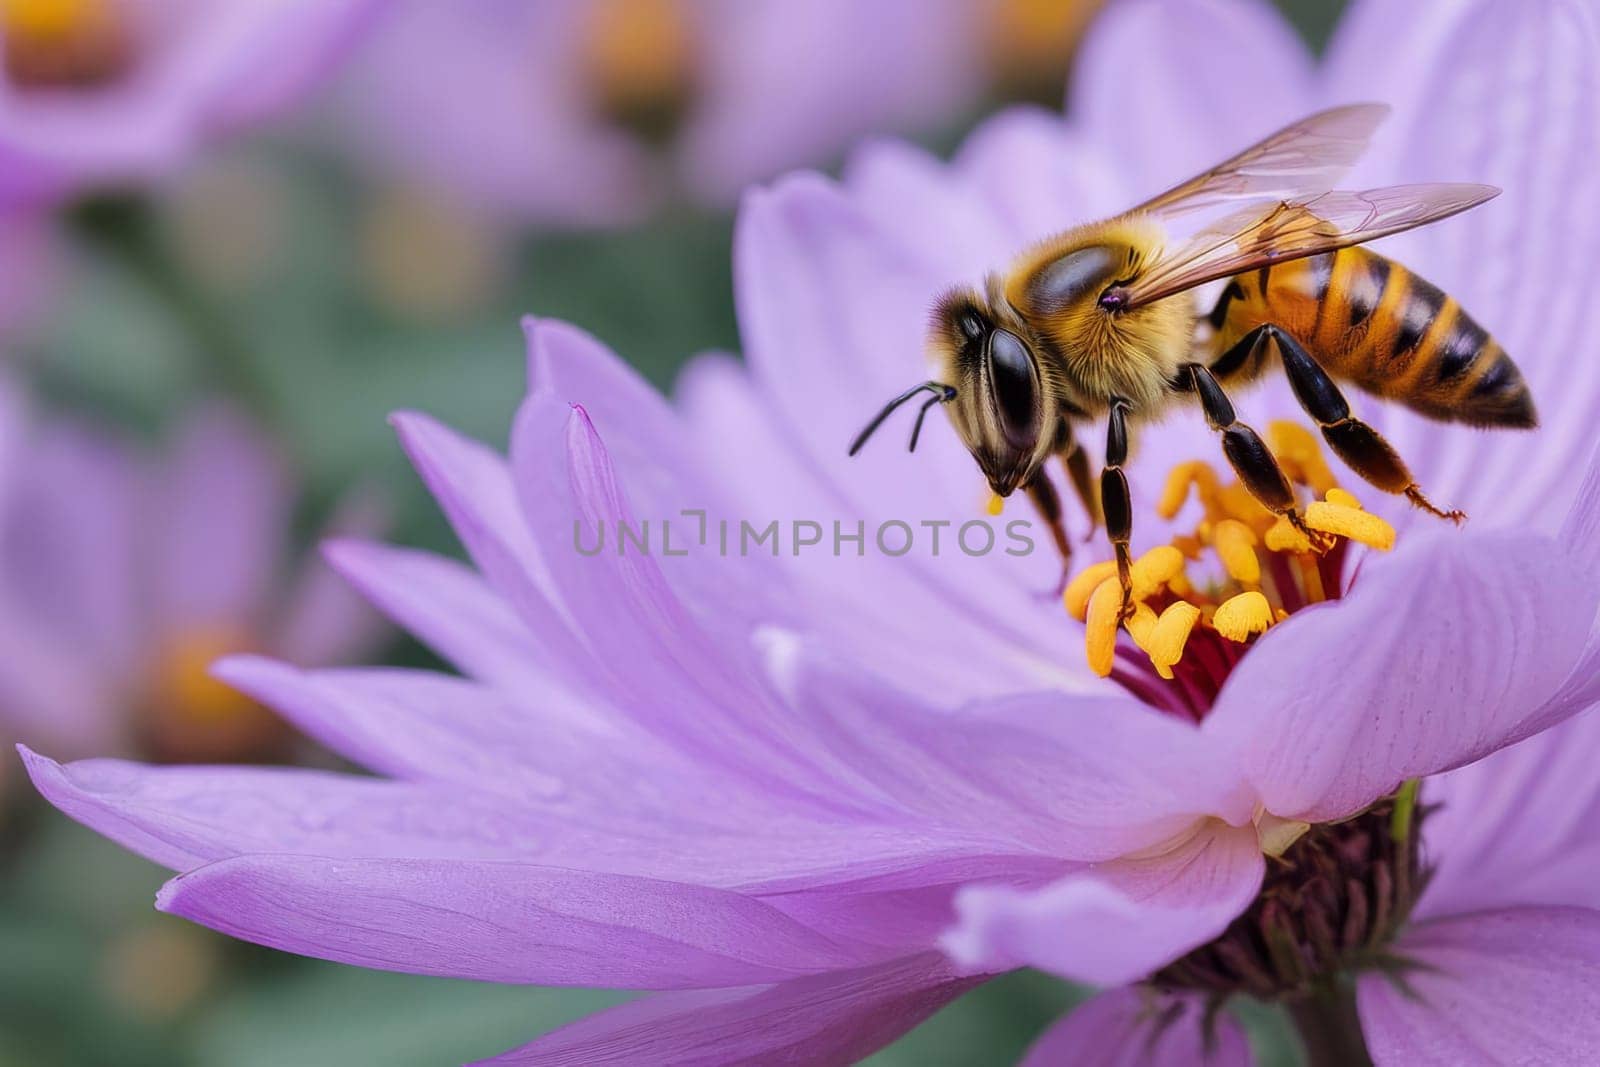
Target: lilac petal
(592, 799)
(1493, 987)
(904, 624)
(900, 186)
(70, 563)
(261, 59)
(892, 65)
(1083, 778)
(183, 816)
(1521, 827)
(833, 1018)
(703, 696)
(1040, 174)
(419, 725)
(225, 511)
(1580, 536)
(1384, 51)
(526, 148)
(502, 922)
(446, 605)
(1512, 98)
(473, 486)
(51, 693)
(1213, 75)
(325, 620)
(1118, 922)
(802, 249)
(1132, 1027)
(1439, 655)
(659, 471)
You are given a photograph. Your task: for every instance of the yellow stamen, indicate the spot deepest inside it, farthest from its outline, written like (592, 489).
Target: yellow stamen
(1281, 536)
(640, 57)
(1031, 40)
(62, 43)
(1276, 834)
(1140, 623)
(1240, 616)
(1297, 449)
(1170, 634)
(1155, 569)
(1105, 605)
(1075, 598)
(183, 677)
(51, 18)
(1342, 498)
(1237, 502)
(995, 505)
(1357, 525)
(1194, 473)
(1235, 543)
(1191, 546)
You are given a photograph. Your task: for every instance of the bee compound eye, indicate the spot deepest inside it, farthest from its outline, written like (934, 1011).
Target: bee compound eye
(1016, 390)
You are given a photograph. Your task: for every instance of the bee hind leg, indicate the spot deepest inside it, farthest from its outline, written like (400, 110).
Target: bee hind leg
(1249, 456)
(1361, 447)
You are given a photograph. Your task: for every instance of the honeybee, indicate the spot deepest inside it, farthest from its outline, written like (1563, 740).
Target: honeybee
(1102, 320)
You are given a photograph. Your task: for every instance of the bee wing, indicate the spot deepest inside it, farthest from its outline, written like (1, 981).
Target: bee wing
(1301, 159)
(1266, 234)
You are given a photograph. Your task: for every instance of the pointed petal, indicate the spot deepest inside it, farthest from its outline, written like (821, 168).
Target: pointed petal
(473, 486)
(324, 619)
(832, 1018)
(183, 816)
(1213, 76)
(501, 922)
(445, 605)
(1118, 922)
(1131, 1027)
(1521, 827)
(1507, 94)
(1514, 986)
(1438, 656)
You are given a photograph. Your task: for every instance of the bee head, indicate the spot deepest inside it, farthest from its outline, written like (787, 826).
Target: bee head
(991, 388)
(1001, 406)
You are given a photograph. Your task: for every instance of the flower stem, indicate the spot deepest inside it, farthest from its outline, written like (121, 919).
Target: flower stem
(1329, 1027)
(126, 230)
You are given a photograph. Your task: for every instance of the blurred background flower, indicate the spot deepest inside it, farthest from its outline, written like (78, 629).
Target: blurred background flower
(322, 212)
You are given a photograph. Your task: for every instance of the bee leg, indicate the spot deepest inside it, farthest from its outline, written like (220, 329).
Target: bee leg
(1359, 445)
(1116, 503)
(1076, 460)
(1249, 456)
(1048, 503)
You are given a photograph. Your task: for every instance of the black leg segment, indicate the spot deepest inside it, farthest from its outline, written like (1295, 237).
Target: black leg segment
(1361, 447)
(1249, 456)
(1116, 503)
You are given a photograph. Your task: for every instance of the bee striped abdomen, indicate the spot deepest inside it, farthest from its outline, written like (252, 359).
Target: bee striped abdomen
(1370, 321)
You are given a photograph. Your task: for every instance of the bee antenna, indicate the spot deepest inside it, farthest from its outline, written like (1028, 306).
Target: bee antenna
(942, 394)
(916, 427)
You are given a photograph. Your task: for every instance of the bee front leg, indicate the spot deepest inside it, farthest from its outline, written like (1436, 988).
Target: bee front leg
(1076, 460)
(1249, 456)
(1359, 445)
(1116, 503)
(1048, 504)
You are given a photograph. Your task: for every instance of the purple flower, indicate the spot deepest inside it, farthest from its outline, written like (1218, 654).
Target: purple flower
(811, 797)
(123, 575)
(584, 111)
(98, 93)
